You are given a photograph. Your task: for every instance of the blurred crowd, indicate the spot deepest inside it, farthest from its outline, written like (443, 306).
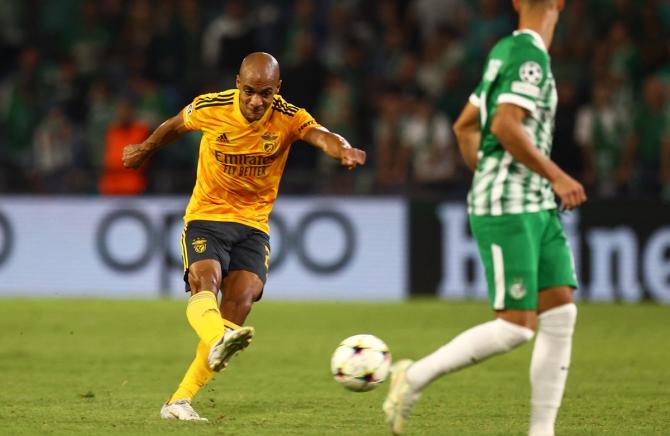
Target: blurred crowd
(79, 79)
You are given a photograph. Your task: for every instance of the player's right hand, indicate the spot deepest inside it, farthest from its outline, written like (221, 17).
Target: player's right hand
(569, 191)
(134, 155)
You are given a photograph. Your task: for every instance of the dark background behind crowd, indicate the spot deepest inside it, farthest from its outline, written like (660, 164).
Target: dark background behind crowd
(79, 79)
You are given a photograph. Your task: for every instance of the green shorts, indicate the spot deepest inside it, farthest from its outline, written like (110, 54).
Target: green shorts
(523, 254)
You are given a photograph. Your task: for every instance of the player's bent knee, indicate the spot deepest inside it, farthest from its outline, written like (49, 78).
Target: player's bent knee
(522, 318)
(554, 297)
(559, 321)
(203, 281)
(204, 275)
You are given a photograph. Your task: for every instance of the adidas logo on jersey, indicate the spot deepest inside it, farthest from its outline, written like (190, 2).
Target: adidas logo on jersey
(223, 138)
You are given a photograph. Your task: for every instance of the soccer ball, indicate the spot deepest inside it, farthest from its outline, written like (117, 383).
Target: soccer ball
(361, 362)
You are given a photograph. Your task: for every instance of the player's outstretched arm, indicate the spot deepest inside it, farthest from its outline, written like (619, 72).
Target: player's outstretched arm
(507, 126)
(135, 155)
(335, 146)
(468, 134)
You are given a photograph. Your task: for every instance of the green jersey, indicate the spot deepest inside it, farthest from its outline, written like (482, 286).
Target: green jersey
(518, 71)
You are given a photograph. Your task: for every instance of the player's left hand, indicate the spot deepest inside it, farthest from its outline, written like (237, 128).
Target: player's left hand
(134, 155)
(352, 157)
(569, 190)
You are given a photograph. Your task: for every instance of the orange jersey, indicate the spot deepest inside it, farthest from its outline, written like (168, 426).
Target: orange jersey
(240, 163)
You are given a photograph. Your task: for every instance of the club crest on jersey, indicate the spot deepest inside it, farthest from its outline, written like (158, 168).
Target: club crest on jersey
(199, 245)
(223, 138)
(517, 290)
(270, 142)
(531, 72)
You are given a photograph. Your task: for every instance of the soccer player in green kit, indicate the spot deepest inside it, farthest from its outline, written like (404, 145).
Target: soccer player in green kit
(505, 135)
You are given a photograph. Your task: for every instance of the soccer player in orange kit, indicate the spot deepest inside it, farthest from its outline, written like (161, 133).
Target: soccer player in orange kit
(247, 133)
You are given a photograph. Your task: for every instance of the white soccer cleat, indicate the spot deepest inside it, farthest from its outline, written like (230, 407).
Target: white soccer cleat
(230, 344)
(401, 397)
(181, 410)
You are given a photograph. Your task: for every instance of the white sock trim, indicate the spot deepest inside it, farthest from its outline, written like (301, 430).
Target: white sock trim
(514, 334)
(559, 321)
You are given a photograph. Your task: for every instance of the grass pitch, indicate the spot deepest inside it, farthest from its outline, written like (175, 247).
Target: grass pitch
(95, 367)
